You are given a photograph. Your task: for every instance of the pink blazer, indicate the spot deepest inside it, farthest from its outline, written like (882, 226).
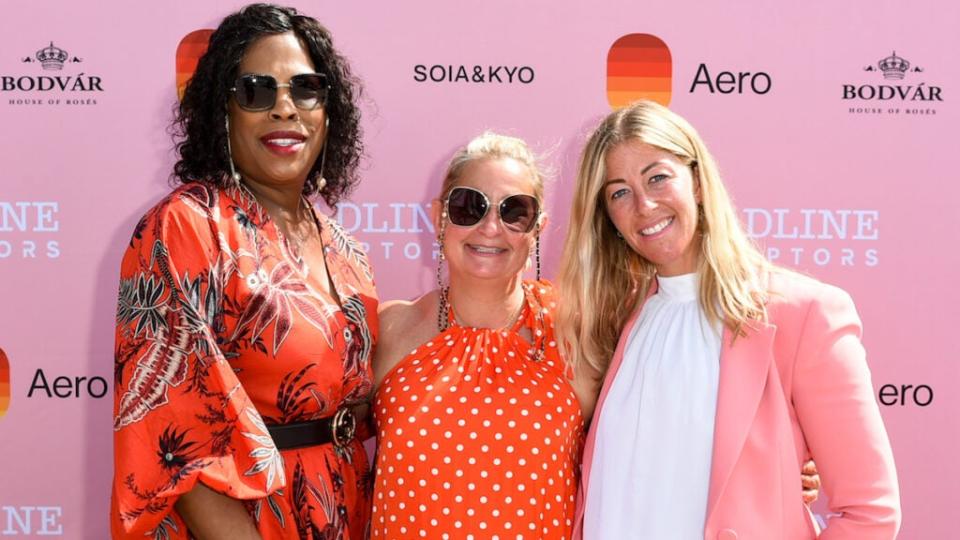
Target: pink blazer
(795, 387)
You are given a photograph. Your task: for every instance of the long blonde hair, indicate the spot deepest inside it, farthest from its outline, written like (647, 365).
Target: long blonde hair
(601, 278)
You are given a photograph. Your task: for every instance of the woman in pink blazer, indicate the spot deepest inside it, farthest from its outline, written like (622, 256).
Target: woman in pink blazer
(727, 373)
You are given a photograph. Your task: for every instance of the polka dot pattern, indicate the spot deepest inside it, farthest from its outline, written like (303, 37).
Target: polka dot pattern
(477, 438)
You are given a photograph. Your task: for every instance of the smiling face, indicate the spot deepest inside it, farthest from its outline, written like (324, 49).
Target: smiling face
(488, 250)
(651, 197)
(276, 147)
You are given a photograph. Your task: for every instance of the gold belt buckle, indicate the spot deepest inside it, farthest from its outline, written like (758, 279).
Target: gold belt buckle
(343, 427)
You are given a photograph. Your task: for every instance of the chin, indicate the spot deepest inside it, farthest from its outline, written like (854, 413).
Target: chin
(491, 274)
(287, 177)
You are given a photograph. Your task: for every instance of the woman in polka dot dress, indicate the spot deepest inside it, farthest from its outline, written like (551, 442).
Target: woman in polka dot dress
(479, 426)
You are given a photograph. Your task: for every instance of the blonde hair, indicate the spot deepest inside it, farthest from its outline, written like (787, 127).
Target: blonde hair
(490, 145)
(601, 278)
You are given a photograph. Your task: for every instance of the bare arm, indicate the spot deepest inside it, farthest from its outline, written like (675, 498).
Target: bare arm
(586, 385)
(403, 327)
(212, 516)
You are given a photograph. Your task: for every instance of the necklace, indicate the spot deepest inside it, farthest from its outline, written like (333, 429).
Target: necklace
(296, 247)
(510, 322)
(446, 310)
(291, 243)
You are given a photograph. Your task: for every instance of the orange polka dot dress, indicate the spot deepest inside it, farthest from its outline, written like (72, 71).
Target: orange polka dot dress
(479, 433)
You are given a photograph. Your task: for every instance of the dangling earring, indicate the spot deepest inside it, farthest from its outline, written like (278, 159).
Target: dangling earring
(322, 182)
(537, 251)
(444, 291)
(234, 175)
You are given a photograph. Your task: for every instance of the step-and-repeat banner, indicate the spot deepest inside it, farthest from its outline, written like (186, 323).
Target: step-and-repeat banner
(834, 123)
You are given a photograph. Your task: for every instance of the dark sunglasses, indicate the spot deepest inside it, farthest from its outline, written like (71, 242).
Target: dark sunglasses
(259, 92)
(467, 206)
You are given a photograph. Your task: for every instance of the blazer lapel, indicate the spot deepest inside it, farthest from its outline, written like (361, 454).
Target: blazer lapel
(744, 366)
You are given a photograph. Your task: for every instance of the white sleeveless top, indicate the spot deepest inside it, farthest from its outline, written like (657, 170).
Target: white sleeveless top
(650, 474)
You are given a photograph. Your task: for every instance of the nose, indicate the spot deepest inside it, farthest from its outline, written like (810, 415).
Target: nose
(643, 202)
(490, 224)
(283, 107)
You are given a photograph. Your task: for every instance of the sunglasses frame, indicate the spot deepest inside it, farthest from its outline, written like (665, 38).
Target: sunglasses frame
(276, 91)
(534, 223)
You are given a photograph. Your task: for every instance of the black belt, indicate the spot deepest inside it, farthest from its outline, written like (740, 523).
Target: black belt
(338, 429)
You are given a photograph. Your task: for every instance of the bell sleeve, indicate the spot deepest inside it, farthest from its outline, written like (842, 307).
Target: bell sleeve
(181, 415)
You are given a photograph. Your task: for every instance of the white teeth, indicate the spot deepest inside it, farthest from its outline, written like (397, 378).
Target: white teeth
(483, 249)
(656, 228)
(284, 142)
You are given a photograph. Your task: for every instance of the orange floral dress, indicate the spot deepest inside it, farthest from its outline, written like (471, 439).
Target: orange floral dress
(221, 330)
(477, 437)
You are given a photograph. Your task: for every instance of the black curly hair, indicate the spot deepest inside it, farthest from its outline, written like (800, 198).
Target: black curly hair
(199, 128)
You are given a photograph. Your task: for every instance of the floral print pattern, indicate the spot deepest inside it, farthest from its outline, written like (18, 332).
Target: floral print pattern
(219, 333)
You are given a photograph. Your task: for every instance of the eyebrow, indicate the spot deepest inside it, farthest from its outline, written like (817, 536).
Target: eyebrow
(652, 165)
(642, 172)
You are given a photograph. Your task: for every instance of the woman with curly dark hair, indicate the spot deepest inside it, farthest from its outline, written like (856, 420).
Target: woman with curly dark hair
(246, 319)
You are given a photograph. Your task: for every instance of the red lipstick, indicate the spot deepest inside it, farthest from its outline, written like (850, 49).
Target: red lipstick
(283, 142)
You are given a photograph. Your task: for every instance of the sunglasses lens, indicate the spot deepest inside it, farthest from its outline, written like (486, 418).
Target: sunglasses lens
(259, 92)
(255, 92)
(466, 207)
(519, 212)
(309, 90)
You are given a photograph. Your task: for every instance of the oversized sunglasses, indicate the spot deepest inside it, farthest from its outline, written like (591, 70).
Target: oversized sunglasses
(467, 207)
(259, 92)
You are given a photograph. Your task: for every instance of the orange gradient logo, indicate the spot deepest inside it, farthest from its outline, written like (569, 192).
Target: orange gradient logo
(4, 383)
(639, 66)
(189, 51)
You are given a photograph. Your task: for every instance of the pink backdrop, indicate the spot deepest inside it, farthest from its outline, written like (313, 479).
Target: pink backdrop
(80, 165)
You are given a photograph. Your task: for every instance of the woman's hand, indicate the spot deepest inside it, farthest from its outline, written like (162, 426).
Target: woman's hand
(810, 481)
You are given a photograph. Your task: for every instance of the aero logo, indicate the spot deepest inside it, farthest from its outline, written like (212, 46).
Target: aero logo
(638, 67)
(4, 383)
(189, 51)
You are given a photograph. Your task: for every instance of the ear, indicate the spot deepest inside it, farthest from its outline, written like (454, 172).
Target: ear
(542, 222)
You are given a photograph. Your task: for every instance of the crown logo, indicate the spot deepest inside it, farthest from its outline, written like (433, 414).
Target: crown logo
(893, 67)
(52, 57)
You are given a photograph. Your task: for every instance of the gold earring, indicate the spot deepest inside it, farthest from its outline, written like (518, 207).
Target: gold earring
(234, 175)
